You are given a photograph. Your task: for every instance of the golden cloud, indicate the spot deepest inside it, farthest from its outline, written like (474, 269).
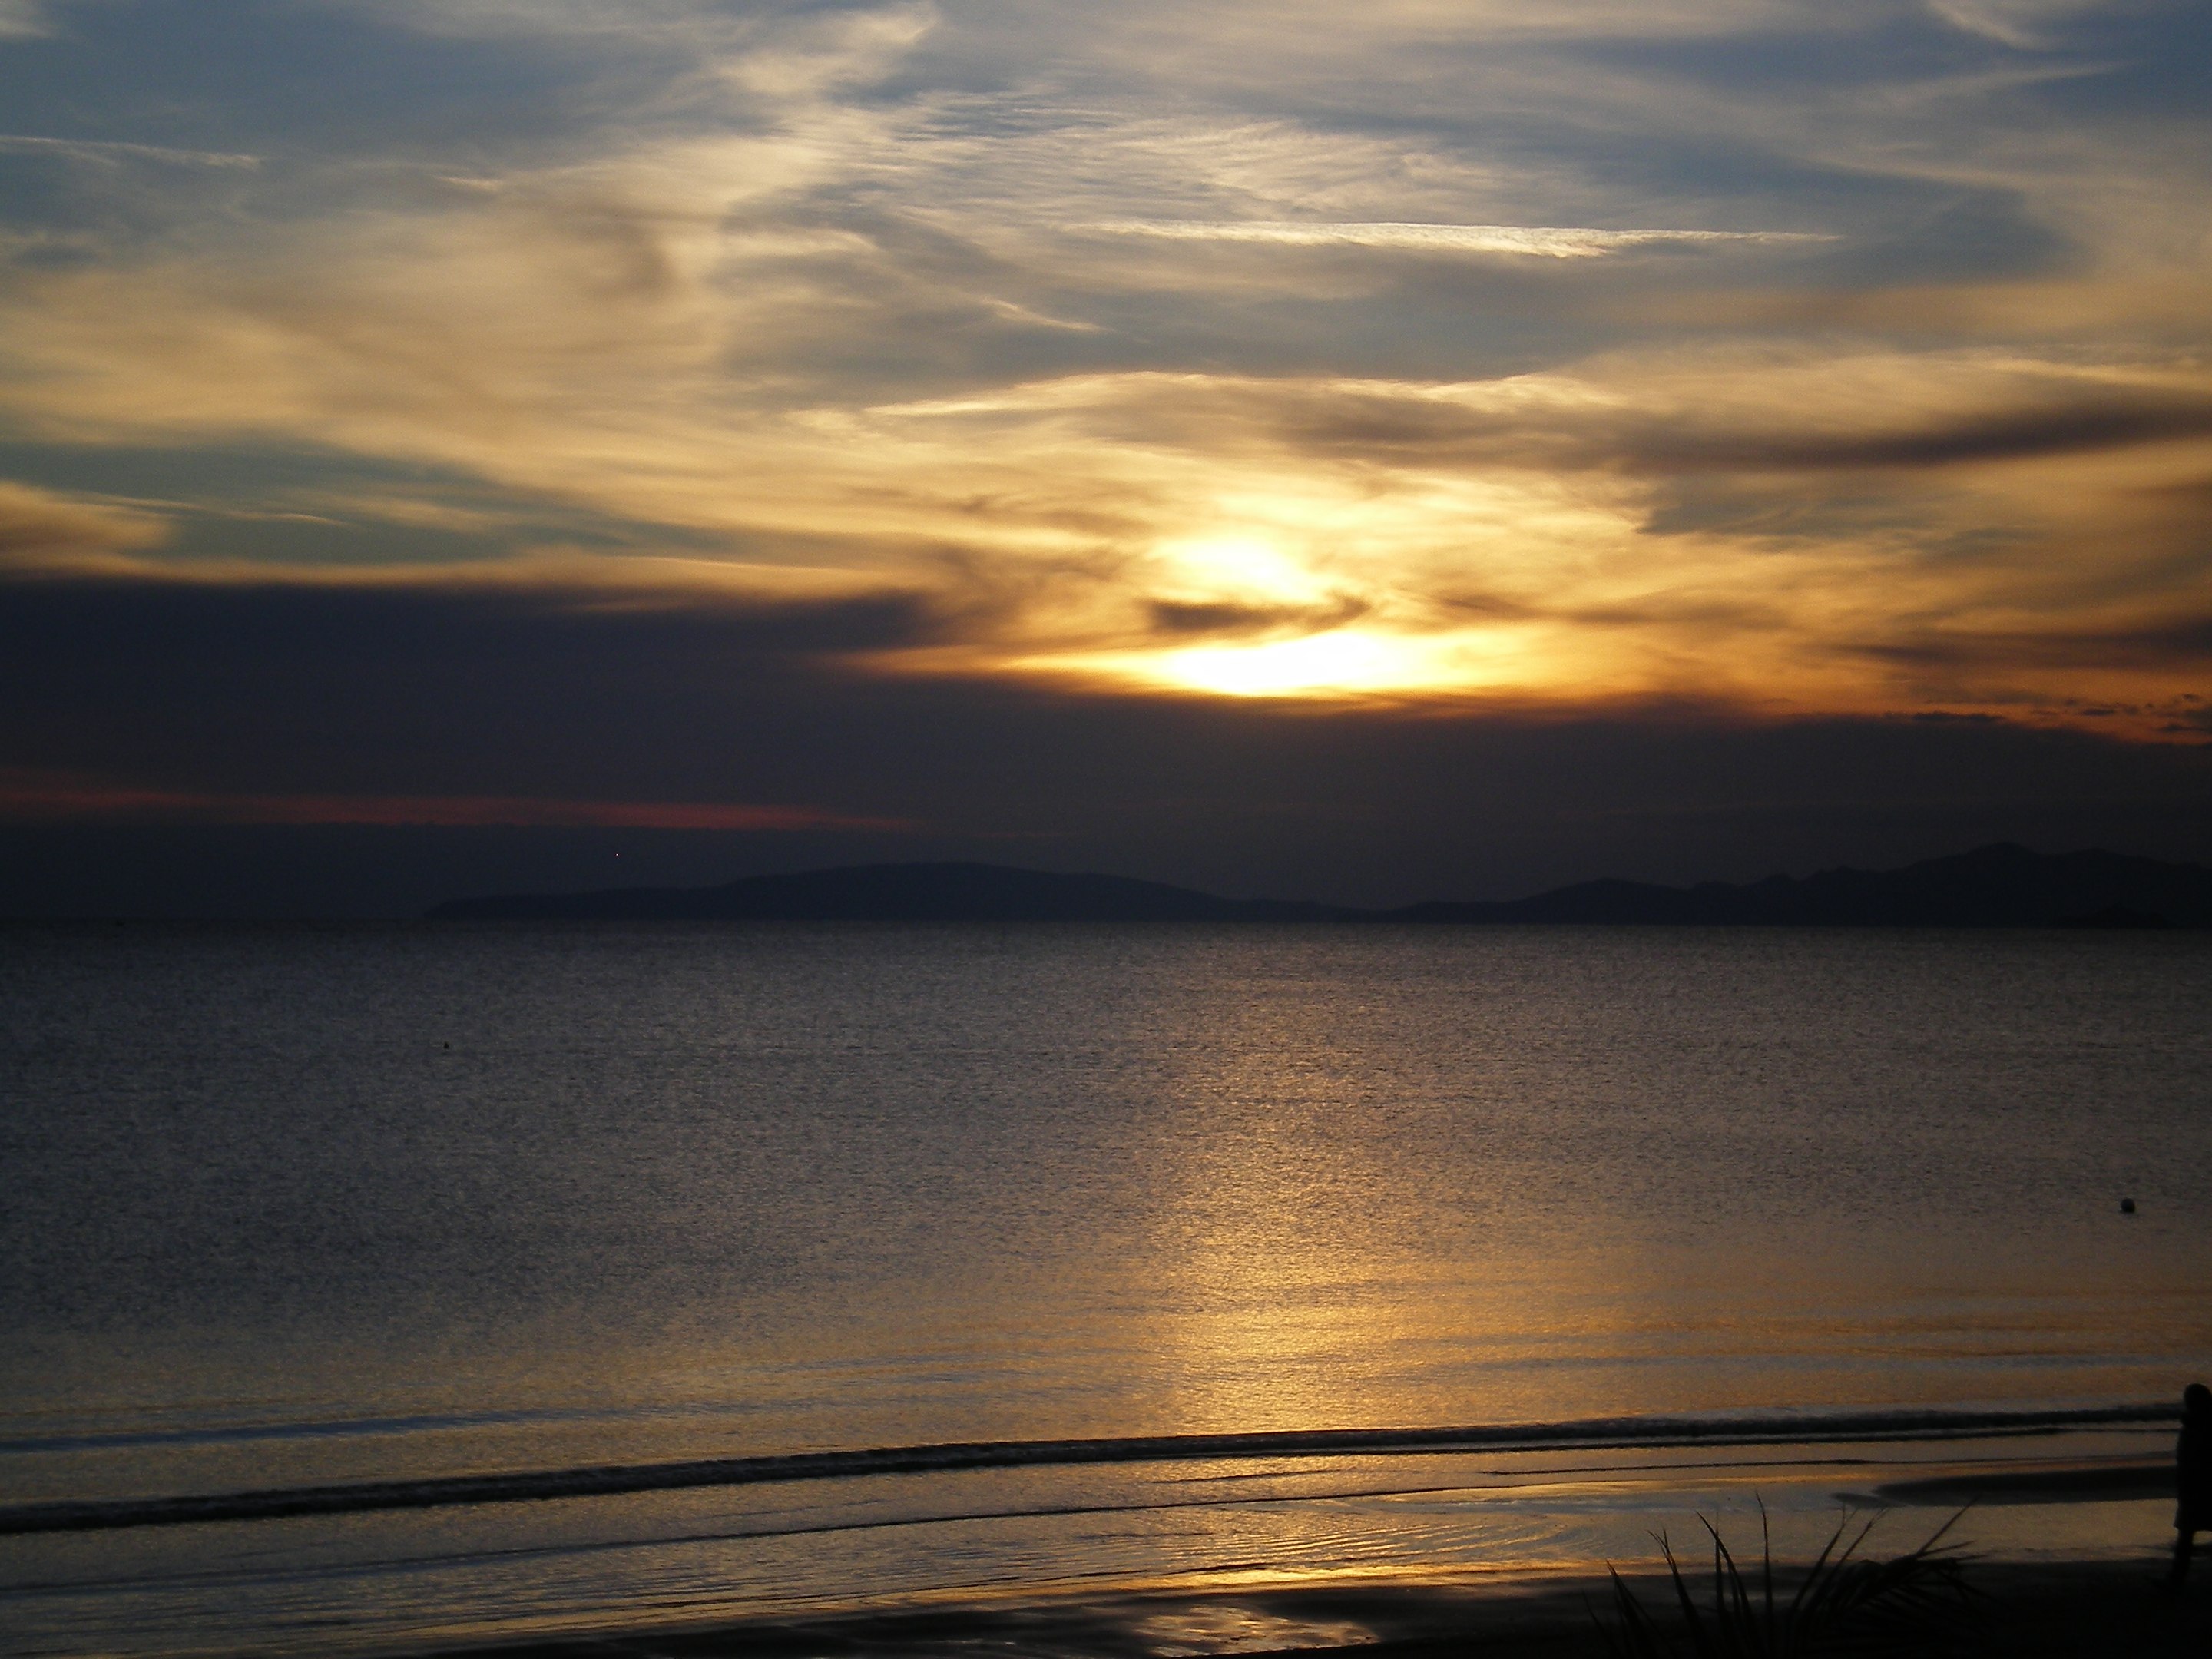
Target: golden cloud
(957, 350)
(43, 530)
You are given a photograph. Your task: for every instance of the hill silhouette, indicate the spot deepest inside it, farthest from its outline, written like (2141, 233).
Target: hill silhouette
(2001, 885)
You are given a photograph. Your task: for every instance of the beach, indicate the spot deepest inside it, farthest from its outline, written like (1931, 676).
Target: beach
(2048, 1611)
(2052, 1606)
(2059, 1532)
(2018, 1601)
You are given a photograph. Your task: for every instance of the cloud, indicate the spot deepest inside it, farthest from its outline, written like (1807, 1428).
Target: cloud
(1545, 242)
(2022, 24)
(692, 20)
(1074, 526)
(781, 51)
(114, 150)
(42, 530)
(2024, 435)
(1620, 522)
(2183, 641)
(33, 797)
(988, 325)
(23, 20)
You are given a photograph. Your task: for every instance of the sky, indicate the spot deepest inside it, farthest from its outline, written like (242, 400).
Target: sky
(1434, 448)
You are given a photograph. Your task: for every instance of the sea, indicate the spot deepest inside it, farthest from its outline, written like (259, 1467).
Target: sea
(1033, 1265)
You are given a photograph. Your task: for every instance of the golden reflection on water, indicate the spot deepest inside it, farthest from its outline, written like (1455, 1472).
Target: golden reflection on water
(1296, 1294)
(1293, 1283)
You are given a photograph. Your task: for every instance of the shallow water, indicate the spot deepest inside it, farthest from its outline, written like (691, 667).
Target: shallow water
(287, 1206)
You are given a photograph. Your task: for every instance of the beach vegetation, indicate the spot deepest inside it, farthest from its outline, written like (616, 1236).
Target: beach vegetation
(1845, 1600)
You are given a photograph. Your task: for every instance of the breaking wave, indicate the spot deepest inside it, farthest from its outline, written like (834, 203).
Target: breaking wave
(609, 1478)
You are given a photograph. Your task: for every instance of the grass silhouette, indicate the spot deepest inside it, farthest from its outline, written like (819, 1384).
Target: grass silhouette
(1842, 1602)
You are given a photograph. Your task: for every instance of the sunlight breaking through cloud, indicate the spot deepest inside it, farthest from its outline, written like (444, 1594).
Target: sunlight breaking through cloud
(1002, 323)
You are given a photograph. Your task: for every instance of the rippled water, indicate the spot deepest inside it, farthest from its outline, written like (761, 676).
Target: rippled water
(289, 1207)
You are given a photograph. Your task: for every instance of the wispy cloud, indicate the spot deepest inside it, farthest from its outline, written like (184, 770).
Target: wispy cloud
(111, 151)
(2025, 25)
(1543, 241)
(46, 529)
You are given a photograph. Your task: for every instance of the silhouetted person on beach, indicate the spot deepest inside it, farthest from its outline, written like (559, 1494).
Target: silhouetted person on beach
(2193, 1457)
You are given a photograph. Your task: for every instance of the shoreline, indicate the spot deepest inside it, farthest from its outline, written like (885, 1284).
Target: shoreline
(2033, 1609)
(1415, 1555)
(2024, 1604)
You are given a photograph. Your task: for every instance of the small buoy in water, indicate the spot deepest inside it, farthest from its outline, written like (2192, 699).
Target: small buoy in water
(2127, 1206)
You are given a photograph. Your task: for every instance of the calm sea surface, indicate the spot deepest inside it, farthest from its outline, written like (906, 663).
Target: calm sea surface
(291, 1207)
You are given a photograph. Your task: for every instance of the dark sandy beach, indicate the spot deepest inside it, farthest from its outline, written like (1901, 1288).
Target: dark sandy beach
(2021, 1609)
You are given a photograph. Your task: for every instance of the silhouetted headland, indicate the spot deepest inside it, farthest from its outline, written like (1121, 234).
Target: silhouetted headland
(2001, 885)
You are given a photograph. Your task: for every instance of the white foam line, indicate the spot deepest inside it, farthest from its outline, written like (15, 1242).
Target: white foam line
(604, 1480)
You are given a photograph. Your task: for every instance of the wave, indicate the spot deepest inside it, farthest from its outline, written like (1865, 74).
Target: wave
(604, 1480)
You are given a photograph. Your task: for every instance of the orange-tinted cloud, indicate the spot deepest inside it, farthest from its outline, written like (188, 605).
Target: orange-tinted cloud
(1225, 351)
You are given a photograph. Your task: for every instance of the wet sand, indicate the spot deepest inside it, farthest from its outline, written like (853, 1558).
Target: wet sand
(2024, 1608)
(2105, 1483)
(2028, 1610)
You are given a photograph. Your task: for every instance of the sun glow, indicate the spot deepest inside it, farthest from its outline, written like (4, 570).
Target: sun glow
(1340, 663)
(1243, 570)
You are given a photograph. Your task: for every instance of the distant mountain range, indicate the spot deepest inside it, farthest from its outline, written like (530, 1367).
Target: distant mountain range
(2001, 885)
